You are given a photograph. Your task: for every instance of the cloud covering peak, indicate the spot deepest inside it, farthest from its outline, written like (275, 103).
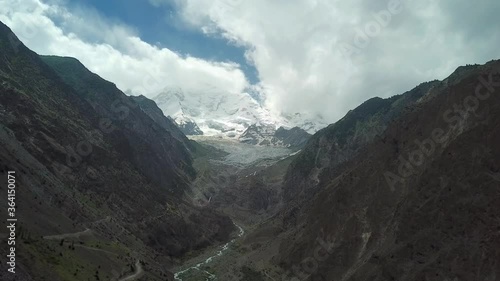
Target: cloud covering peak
(326, 57)
(317, 57)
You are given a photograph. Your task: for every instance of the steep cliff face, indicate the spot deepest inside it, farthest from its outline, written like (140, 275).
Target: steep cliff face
(154, 112)
(188, 126)
(268, 135)
(156, 150)
(90, 161)
(294, 137)
(419, 202)
(341, 141)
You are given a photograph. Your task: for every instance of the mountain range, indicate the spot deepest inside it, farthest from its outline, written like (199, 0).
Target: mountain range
(404, 188)
(92, 163)
(109, 187)
(218, 113)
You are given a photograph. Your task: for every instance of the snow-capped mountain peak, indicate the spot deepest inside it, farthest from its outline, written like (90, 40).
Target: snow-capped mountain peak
(214, 111)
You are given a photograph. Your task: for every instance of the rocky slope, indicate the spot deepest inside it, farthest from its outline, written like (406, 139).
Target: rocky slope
(158, 152)
(415, 198)
(405, 188)
(95, 170)
(341, 141)
(416, 201)
(154, 112)
(187, 126)
(268, 135)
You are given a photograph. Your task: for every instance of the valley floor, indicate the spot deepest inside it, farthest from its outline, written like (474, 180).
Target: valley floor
(229, 177)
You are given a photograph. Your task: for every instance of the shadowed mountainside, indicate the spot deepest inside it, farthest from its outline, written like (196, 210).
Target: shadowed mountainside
(404, 188)
(416, 201)
(341, 141)
(87, 157)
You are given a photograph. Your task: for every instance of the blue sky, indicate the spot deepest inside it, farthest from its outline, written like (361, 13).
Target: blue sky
(162, 27)
(315, 57)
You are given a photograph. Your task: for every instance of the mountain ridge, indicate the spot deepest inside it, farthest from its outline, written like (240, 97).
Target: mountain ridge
(89, 157)
(367, 215)
(219, 113)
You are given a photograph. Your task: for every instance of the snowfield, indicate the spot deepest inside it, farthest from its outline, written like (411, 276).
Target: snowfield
(228, 115)
(217, 113)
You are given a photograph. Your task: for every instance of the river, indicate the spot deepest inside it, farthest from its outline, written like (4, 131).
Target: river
(210, 276)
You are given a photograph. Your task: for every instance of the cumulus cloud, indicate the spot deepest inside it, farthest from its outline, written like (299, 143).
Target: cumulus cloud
(319, 57)
(113, 50)
(326, 57)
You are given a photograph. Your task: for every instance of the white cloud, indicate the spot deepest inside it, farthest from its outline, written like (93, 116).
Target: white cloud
(298, 47)
(113, 50)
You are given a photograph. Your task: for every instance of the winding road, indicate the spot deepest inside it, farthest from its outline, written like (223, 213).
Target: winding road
(138, 272)
(138, 267)
(68, 235)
